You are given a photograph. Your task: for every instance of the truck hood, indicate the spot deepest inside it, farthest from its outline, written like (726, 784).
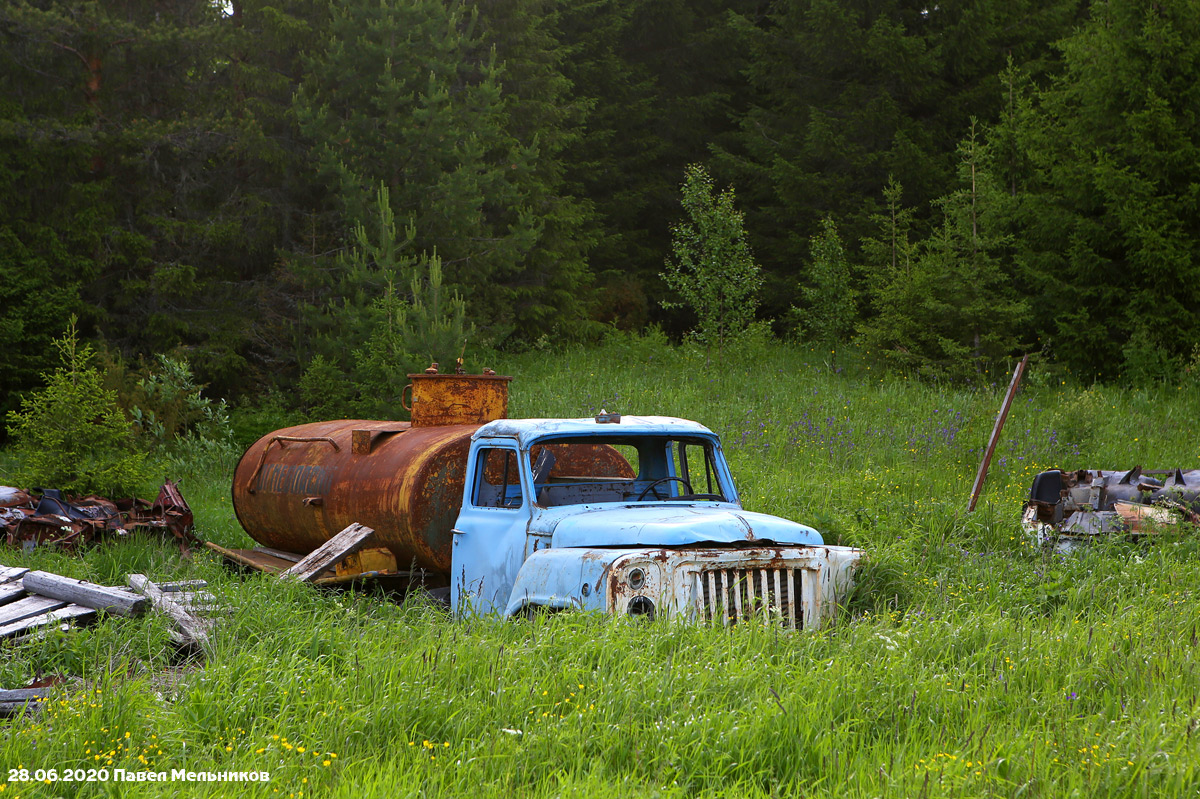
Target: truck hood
(655, 525)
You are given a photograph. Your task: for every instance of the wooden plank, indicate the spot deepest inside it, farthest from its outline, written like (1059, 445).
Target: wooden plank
(32, 623)
(11, 592)
(182, 585)
(194, 598)
(203, 610)
(259, 561)
(10, 573)
(81, 592)
(996, 428)
(24, 694)
(348, 541)
(20, 700)
(279, 553)
(194, 630)
(27, 607)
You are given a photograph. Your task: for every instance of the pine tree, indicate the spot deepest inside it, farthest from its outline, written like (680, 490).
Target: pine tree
(844, 94)
(155, 179)
(1106, 198)
(71, 435)
(949, 307)
(662, 79)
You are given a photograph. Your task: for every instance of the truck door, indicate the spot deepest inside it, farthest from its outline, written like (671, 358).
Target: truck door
(489, 536)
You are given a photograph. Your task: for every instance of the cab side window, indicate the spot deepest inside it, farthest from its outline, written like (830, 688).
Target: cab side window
(498, 479)
(693, 461)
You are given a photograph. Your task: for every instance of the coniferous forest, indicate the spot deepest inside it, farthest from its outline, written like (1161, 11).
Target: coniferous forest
(289, 193)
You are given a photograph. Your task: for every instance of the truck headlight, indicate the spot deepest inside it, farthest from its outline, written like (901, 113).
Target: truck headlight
(641, 606)
(636, 579)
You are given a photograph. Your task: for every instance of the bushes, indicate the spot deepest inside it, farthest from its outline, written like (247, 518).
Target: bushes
(82, 436)
(72, 435)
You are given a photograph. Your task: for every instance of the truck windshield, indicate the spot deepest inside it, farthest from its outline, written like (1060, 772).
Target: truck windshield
(573, 471)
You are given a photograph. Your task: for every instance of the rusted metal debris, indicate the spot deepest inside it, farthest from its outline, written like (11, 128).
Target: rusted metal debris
(47, 517)
(1066, 509)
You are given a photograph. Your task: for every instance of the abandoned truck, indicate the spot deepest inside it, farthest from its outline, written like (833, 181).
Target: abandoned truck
(626, 515)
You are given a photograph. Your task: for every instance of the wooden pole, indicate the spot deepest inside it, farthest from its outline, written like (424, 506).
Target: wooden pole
(1000, 419)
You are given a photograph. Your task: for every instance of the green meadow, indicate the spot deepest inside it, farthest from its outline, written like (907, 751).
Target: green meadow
(968, 661)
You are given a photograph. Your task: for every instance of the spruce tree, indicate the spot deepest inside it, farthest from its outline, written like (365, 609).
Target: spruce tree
(1107, 211)
(830, 311)
(949, 307)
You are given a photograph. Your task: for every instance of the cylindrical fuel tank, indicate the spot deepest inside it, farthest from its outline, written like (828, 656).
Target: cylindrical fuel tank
(296, 488)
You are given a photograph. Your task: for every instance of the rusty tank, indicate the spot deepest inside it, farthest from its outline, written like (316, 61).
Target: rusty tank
(295, 488)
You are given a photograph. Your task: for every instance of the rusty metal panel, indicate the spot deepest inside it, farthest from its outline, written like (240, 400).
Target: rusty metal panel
(372, 559)
(457, 399)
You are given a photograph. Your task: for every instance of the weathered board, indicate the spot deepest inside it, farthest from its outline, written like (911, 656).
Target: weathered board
(42, 619)
(194, 630)
(19, 700)
(182, 585)
(11, 592)
(10, 573)
(81, 592)
(348, 541)
(28, 607)
(279, 553)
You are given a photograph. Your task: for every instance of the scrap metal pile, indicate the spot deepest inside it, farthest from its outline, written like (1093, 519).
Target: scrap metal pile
(1070, 508)
(42, 517)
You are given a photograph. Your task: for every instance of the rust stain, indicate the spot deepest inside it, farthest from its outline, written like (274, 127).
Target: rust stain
(457, 399)
(592, 460)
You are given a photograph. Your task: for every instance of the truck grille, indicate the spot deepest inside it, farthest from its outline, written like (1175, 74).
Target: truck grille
(791, 596)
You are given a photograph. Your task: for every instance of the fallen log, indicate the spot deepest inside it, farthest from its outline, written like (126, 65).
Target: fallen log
(17, 701)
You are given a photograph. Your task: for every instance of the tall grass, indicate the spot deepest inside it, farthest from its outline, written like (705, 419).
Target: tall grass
(970, 662)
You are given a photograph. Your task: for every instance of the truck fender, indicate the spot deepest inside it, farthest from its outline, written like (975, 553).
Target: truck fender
(561, 578)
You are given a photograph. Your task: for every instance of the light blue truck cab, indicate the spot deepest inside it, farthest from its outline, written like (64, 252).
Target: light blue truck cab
(634, 515)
